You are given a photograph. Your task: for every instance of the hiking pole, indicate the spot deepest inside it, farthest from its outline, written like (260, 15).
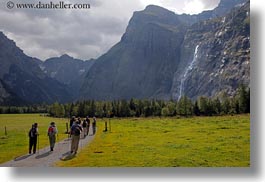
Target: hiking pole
(38, 143)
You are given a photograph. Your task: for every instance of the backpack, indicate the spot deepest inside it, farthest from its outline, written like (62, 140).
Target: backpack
(76, 130)
(32, 132)
(51, 131)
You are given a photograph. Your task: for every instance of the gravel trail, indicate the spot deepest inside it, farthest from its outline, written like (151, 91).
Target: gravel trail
(45, 158)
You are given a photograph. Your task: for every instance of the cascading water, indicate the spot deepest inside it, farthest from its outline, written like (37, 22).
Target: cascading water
(189, 68)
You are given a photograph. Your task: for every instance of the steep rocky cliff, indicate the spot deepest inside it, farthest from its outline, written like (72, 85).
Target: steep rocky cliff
(223, 56)
(163, 55)
(142, 64)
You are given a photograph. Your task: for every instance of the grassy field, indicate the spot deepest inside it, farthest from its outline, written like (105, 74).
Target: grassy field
(169, 142)
(16, 142)
(150, 142)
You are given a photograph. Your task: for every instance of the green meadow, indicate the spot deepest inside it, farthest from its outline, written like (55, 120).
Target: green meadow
(222, 141)
(16, 142)
(142, 142)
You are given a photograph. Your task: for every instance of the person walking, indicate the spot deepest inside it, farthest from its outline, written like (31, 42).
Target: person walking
(72, 120)
(88, 124)
(52, 131)
(94, 125)
(33, 138)
(84, 125)
(76, 130)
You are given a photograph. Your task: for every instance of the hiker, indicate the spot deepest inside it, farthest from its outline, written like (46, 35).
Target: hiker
(76, 130)
(88, 124)
(94, 123)
(52, 131)
(79, 121)
(72, 120)
(84, 125)
(33, 137)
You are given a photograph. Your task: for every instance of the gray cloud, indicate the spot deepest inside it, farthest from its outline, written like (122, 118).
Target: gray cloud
(83, 34)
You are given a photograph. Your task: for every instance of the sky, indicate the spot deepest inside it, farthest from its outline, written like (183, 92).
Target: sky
(80, 33)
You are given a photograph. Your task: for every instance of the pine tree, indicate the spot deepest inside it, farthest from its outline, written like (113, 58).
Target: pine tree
(217, 106)
(185, 107)
(171, 108)
(243, 99)
(203, 107)
(196, 109)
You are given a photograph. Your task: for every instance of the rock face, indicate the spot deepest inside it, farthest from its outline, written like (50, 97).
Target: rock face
(68, 71)
(142, 64)
(7, 97)
(158, 48)
(23, 80)
(223, 58)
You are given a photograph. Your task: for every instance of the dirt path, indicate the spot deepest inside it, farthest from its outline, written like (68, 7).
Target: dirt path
(45, 158)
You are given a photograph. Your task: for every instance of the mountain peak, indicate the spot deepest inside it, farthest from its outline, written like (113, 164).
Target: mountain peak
(156, 9)
(66, 56)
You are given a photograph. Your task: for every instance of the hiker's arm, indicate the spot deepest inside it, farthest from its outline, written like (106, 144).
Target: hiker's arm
(55, 130)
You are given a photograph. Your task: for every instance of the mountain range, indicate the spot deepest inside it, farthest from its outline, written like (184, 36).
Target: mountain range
(156, 56)
(161, 55)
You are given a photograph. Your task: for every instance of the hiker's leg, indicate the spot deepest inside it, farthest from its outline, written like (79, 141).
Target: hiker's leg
(85, 133)
(34, 144)
(77, 143)
(50, 141)
(53, 141)
(30, 145)
(72, 143)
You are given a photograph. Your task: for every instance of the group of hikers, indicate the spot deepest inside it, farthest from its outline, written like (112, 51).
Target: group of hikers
(77, 128)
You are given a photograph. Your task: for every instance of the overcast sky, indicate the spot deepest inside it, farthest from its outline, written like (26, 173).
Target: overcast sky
(83, 34)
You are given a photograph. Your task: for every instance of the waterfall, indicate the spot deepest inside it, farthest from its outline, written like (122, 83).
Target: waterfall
(189, 68)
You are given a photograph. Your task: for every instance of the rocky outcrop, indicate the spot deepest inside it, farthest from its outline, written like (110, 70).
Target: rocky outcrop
(158, 47)
(223, 60)
(142, 64)
(7, 97)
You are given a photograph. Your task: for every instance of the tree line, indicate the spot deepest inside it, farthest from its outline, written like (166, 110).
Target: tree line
(203, 106)
(43, 108)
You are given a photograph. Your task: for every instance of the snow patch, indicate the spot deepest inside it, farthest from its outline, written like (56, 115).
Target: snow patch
(82, 71)
(42, 67)
(223, 20)
(53, 74)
